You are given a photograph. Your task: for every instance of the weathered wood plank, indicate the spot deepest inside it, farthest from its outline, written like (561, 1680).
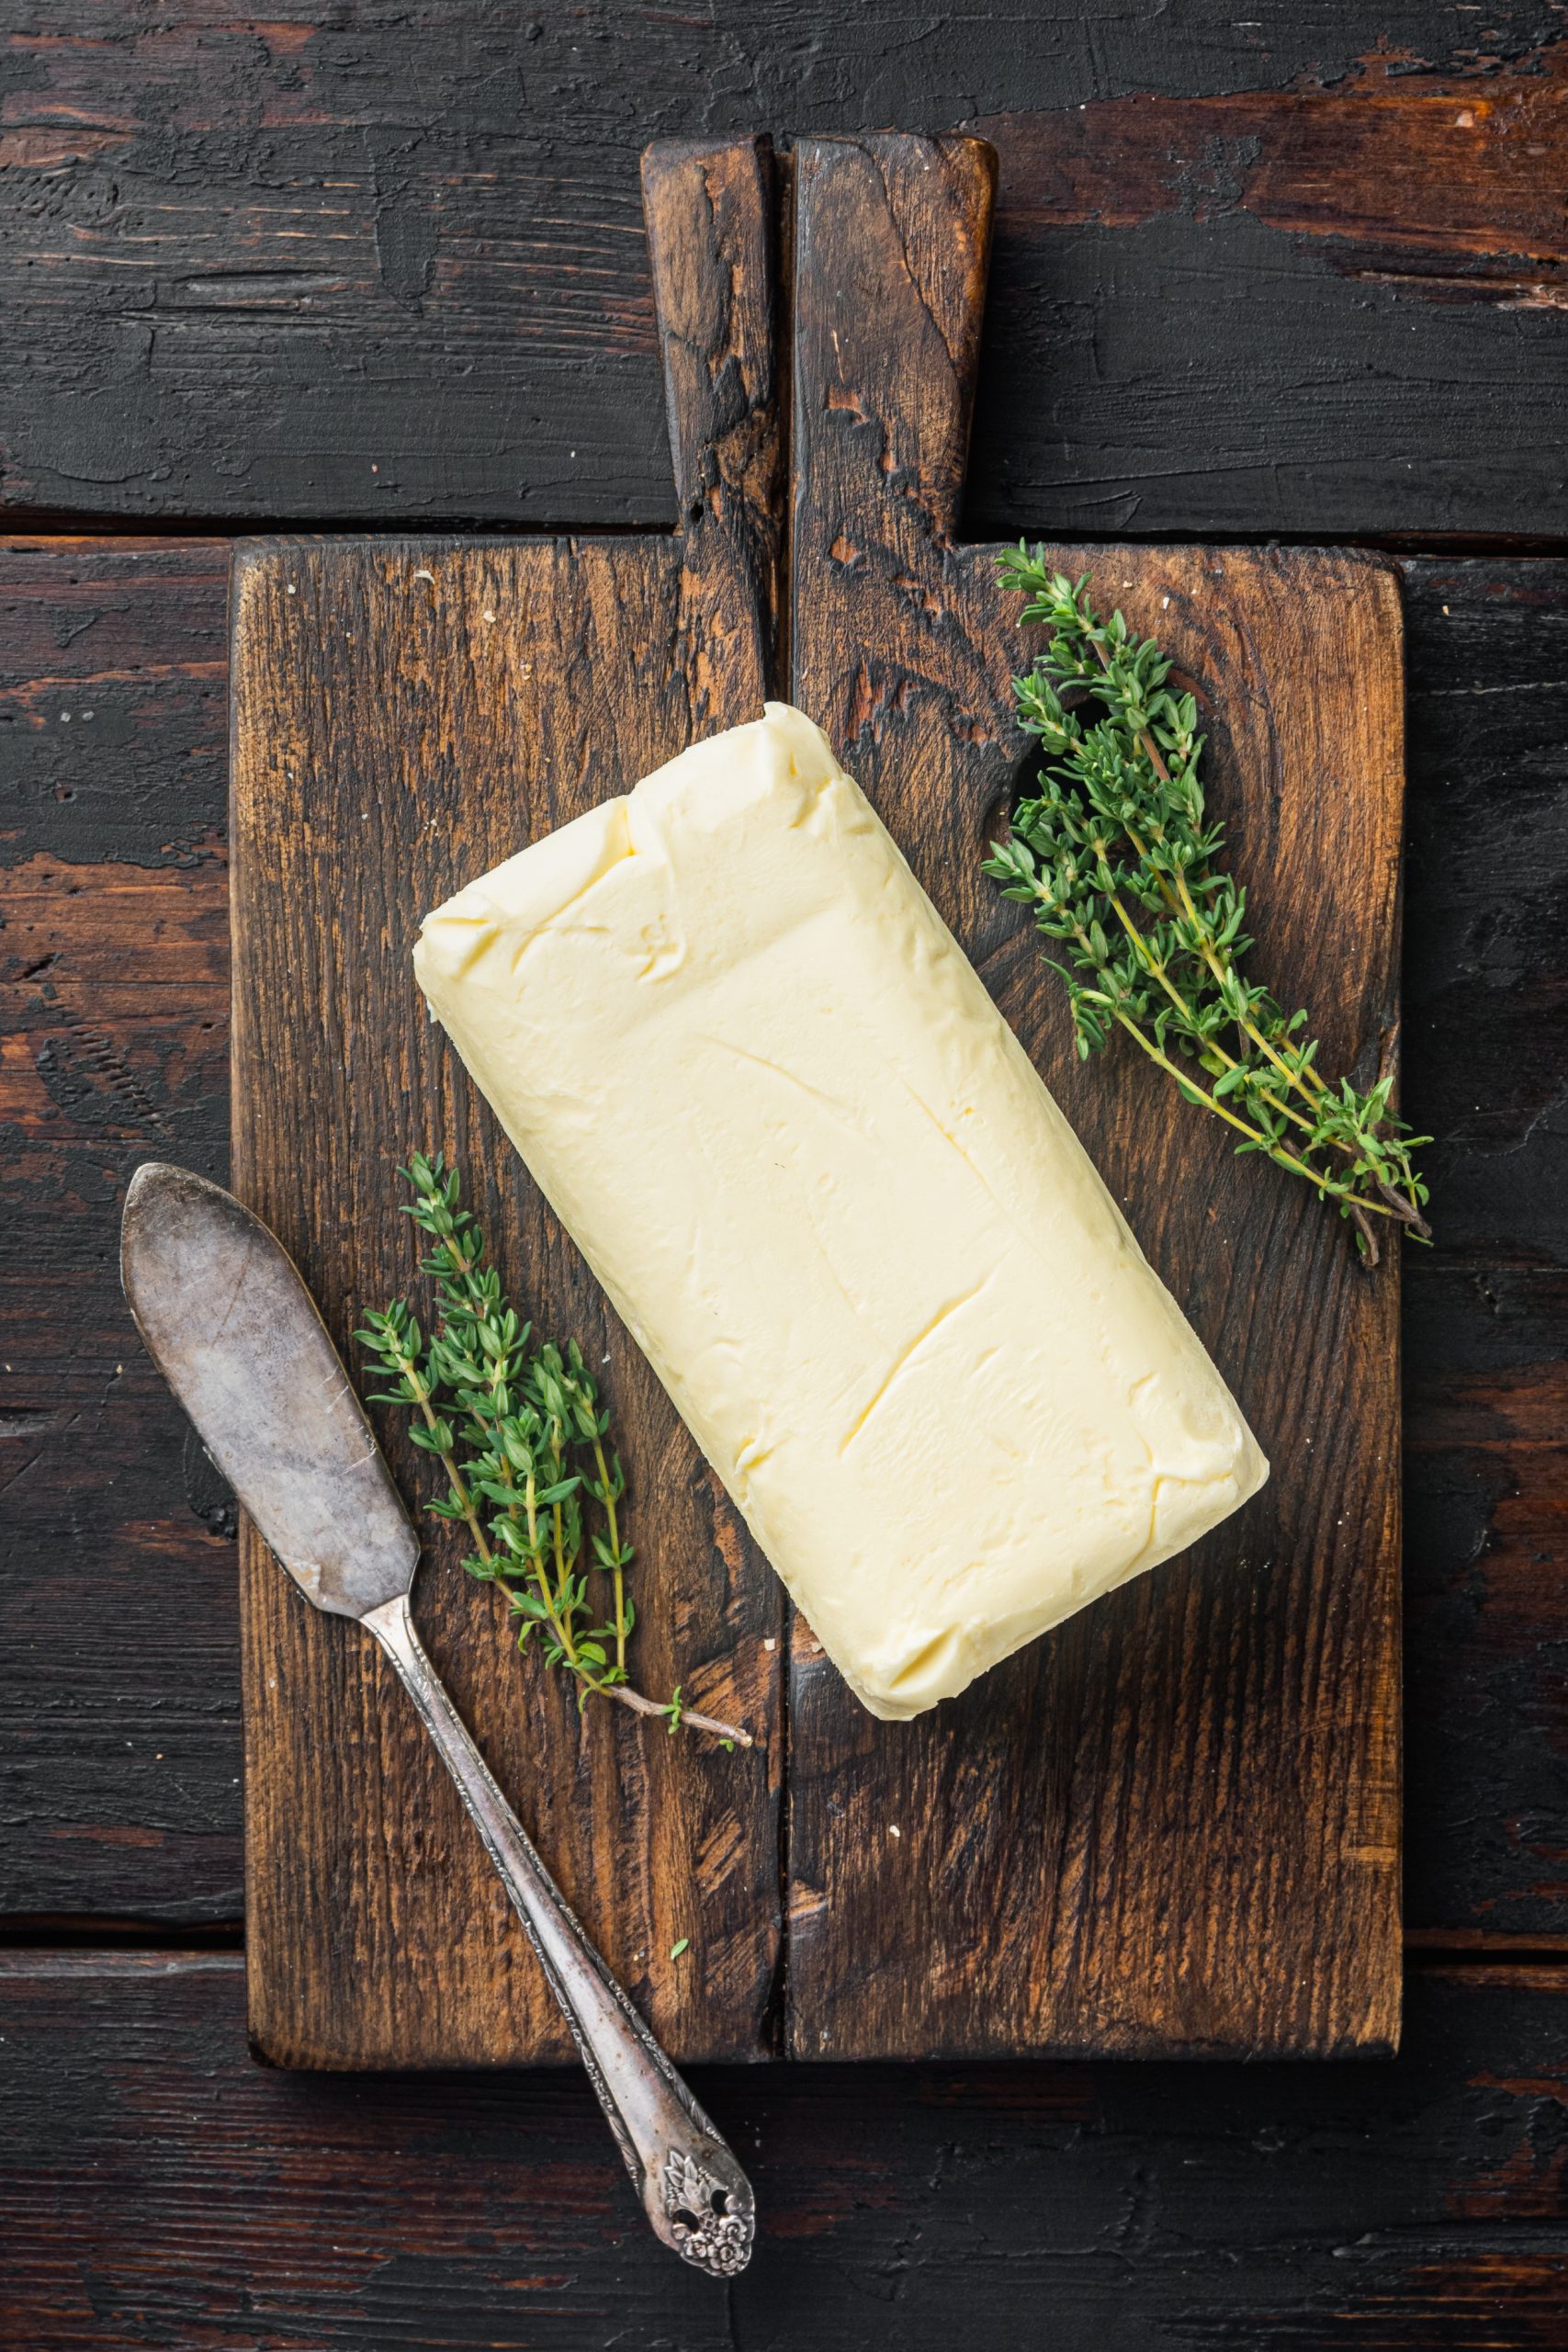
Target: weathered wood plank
(1173, 1824)
(1223, 315)
(120, 1754)
(1487, 952)
(1486, 1328)
(713, 231)
(390, 269)
(156, 2188)
(407, 713)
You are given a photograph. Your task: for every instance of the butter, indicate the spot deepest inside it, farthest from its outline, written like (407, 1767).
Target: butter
(835, 1205)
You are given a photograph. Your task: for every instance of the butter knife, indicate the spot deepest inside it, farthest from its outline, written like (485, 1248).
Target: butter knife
(227, 1319)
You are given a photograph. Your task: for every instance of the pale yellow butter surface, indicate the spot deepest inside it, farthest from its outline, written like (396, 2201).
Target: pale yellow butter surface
(835, 1203)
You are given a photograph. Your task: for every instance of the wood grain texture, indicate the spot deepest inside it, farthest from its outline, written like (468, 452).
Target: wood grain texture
(1252, 276)
(1205, 312)
(93, 1826)
(252, 262)
(407, 713)
(712, 228)
(156, 2189)
(1173, 1826)
(1444, 178)
(1486, 1324)
(119, 1734)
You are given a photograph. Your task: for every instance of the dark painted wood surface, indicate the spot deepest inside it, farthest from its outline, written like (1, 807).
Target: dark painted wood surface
(121, 1725)
(158, 2190)
(1287, 309)
(119, 1749)
(243, 254)
(380, 689)
(1299, 273)
(1486, 1322)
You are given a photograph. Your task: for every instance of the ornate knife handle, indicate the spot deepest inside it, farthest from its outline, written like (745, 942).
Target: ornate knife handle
(694, 2192)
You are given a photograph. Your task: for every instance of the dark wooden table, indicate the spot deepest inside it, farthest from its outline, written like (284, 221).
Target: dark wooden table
(1301, 275)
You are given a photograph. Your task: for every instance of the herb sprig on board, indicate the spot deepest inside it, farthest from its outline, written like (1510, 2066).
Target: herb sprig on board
(1116, 856)
(523, 1437)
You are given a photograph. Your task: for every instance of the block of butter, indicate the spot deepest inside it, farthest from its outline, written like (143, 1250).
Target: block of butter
(834, 1202)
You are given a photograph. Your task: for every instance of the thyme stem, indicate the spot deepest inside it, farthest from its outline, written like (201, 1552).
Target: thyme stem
(409, 1371)
(619, 1572)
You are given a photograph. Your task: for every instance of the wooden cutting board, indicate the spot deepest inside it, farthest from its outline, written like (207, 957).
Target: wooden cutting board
(1172, 1827)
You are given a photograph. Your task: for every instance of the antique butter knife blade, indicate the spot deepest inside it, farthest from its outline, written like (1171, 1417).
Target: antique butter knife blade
(231, 1325)
(237, 1336)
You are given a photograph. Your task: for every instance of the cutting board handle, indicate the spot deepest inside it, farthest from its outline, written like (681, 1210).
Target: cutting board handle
(892, 240)
(712, 239)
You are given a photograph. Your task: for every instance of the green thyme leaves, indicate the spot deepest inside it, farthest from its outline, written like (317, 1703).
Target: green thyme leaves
(522, 1437)
(1115, 857)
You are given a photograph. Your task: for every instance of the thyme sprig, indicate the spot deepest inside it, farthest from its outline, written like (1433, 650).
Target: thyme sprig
(1115, 855)
(522, 1438)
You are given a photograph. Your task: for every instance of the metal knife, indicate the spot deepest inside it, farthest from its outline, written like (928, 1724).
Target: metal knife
(227, 1319)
